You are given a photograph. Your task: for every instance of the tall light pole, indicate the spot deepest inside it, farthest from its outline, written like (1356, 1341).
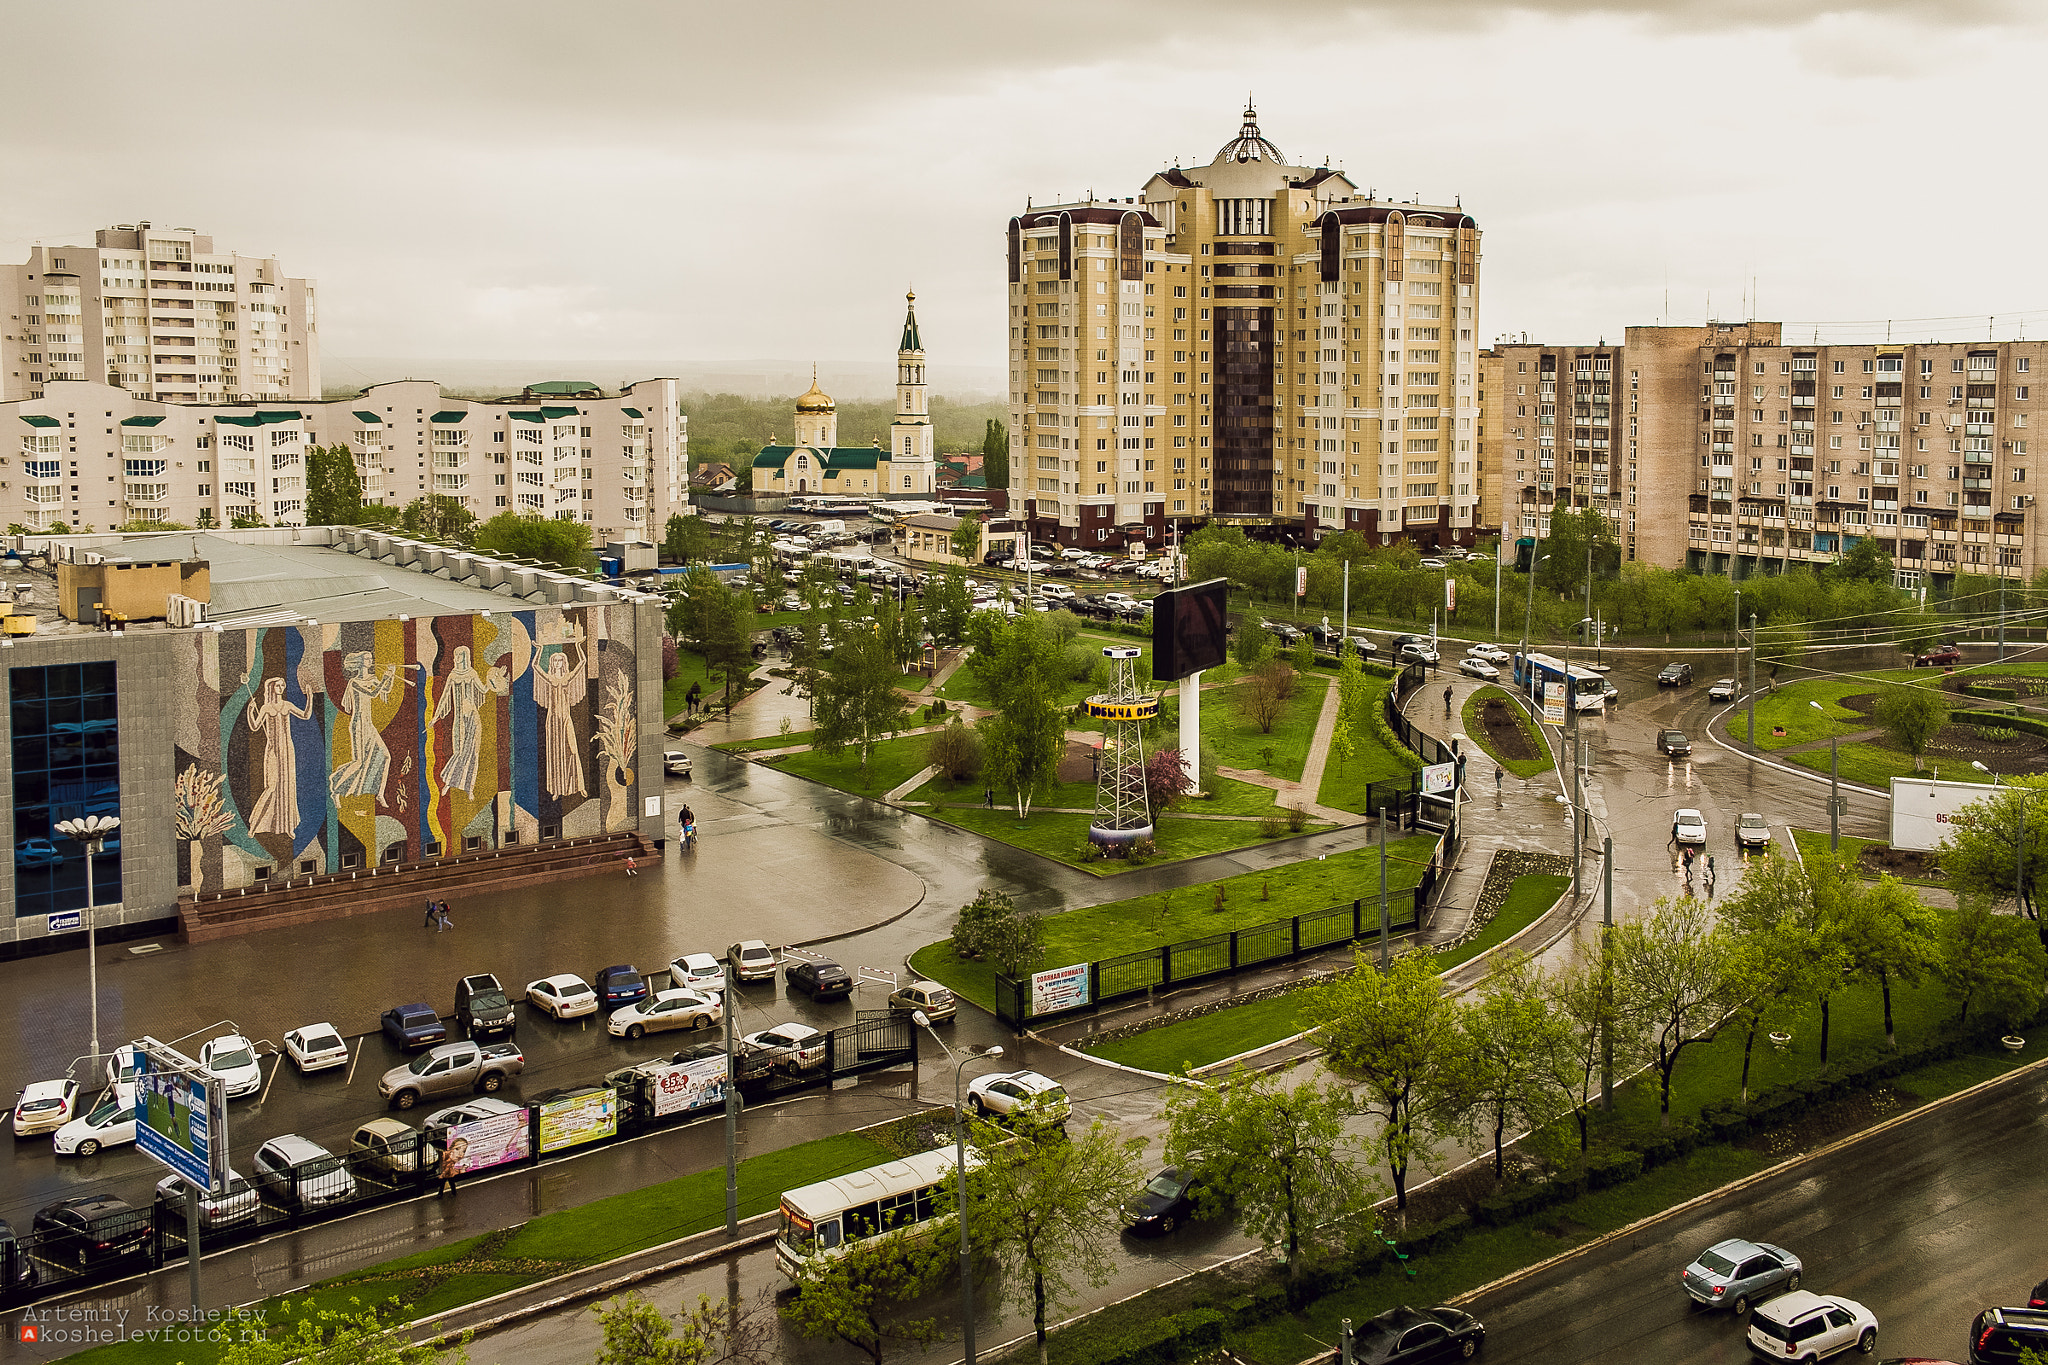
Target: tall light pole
(91, 832)
(1738, 637)
(2019, 843)
(1834, 788)
(924, 1022)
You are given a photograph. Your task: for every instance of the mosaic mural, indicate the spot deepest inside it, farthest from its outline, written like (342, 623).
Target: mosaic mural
(329, 747)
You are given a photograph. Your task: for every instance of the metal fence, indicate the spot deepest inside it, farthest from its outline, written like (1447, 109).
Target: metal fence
(1218, 955)
(47, 1260)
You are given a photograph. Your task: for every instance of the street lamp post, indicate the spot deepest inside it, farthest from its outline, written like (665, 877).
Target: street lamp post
(91, 832)
(924, 1022)
(1834, 788)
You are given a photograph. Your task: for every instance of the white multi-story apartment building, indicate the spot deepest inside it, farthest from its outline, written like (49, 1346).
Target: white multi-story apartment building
(90, 455)
(162, 314)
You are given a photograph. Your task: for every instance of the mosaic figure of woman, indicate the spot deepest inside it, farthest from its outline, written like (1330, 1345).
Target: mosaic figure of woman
(464, 693)
(369, 763)
(277, 805)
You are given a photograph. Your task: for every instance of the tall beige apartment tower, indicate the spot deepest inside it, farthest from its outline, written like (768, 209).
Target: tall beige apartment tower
(162, 314)
(1249, 342)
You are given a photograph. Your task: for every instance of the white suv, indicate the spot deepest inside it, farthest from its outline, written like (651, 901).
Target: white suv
(1805, 1326)
(1006, 1093)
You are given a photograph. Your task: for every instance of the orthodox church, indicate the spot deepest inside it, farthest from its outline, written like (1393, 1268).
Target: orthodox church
(816, 463)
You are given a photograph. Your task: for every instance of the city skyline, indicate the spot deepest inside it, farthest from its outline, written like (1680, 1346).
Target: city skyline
(447, 212)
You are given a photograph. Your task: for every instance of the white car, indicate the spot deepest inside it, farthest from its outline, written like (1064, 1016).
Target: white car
(1724, 689)
(790, 1048)
(1752, 830)
(1117, 599)
(670, 1009)
(566, 996)
(1689, 827)
(1433, 564)
(1477, 668)
(676, 762)
(1008, 1092)
(124, 1065)
(697, 972)
(1805, 1326)
(111, 1123)
(1493, 654)
(44, 1107)
(236, 1201)
(233, 1058)
(316, 1047)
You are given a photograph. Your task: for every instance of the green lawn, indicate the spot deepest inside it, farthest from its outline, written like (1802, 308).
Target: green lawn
(436, 1281)
(1788, 708)
(1250, 898)
(1528, 899)
(748, 746)
(1520, 767)
(1238, 742)
(1346, 782)
(1228, 796)
(1064, 835)
(1814, 844)
(1873, 766)
(891, 763)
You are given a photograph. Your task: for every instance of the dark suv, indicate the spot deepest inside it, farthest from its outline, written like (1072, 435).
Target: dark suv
(1673, 743)
(1675, 675)
(822, 980)
(91, 1229)
(482, 1007)
(2000, 1334)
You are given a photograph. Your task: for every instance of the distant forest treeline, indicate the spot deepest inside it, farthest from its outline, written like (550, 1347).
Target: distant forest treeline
(725, 425)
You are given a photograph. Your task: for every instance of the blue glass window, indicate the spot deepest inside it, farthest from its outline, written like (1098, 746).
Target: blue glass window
(67, 764)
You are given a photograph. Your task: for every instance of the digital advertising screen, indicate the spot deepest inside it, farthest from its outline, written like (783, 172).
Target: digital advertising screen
(1190, 629)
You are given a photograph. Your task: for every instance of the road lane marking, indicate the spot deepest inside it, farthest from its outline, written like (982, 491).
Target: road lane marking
(351, 1078)
(273, 1079)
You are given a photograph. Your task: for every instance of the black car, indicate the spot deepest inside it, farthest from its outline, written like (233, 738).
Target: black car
(91, 1229)
(2000, 1334)
(823, 979)
(1675, 675)
(1287, 634)
(1167, 1201)
(17, 1269)
(620, 985)
(2039, 1298)
(1409, 1336)
(482, 1007)
(1673, 743)
(413, 1026)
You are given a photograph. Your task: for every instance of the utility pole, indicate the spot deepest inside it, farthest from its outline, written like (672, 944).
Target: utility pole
(732, 1103)
(1500, 545)
(1384, 921)
(2001, 613)
(1606, 986)
(1752, 680)
(1738, 634)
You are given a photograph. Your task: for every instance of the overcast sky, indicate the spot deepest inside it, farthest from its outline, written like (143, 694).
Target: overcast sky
(668, 183)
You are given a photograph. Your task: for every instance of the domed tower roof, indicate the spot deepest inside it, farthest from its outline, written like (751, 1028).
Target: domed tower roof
(816, 400)
(1249, 144)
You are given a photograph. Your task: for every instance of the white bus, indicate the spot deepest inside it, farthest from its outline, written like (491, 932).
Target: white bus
(825, 1218)
(896, 511)
(832, 506)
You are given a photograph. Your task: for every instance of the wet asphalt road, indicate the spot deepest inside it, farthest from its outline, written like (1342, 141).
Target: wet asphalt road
(1924, 1224)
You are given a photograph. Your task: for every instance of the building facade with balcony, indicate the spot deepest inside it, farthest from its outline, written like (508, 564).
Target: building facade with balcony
(1247, 342)
(86, 454)
(160, 313)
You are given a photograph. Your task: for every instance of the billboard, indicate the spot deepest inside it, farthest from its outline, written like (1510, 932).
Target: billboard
(1190, 629)
(577, 1119)
(1553, 703)
(1924, 810)
(1062, 988)
(181, 1116)
(1439, 778)
(483, 1143)
(682, 1086)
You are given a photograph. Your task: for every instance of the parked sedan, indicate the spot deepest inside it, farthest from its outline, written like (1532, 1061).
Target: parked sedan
(669, 1010)
(1752, 830)
(697, 972)
(1689, 827)
(44, 1107)
(677, 762)
(1410, 1336)
(1477, 668)
(413, 1026)
(1803, 1326)
(789, 1048)
(316, 1047)
(752, 960)
(389, 1145)
(1011, 1094)
(929, 998)
(233, 1058)
(1167, 1201)
(620, 985)
(237, 1201)
(125, 1065)
(2000, 1334)
(1734, 1274)
(820, 978)
(1724, 689)
(90, 1229)
(566, 996)
(110, 1123)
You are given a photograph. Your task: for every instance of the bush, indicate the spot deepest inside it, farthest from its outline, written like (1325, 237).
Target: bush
(1607, 1169)
(1989, 691)
(1384, 732)
(1271, 827)
(956, 751)
(1297, 818)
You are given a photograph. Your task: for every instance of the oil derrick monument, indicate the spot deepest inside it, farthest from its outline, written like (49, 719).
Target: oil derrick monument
(1123, 816)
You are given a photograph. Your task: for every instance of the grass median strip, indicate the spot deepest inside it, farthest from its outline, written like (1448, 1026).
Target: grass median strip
(1475, 726)
(448, 1277)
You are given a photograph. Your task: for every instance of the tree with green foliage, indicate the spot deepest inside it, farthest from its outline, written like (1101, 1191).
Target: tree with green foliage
(1252, 645)
(1588, 1003)
(1027, 734)
(1863, 562)
(688, 540)
(139, 526)
(358, 1334)
(856, 701)
(956, 751)
(565, 544)
(1572, 536)
(1911, 717)
(1303, 656)
(1058, 1201)
(1780, 646)
(947, 605)
(716, 622)
(995, 455)
(1396, 1034)
(237, 522)
(851, 1296)
(1272, 1148)
(1676, 967)
(1782, 958)
(435, 515)
(1888, 938)
(1990, 960)
(2000, 839)
(635, 1332)
(966, 539)
(334, 490)
(1512, 1038)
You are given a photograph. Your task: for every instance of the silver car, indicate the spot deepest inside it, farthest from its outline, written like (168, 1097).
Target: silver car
(237, 1201)
(1735, 1274)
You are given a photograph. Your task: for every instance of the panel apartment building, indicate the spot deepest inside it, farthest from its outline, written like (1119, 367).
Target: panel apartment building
(159, 312)
(1248, 343)
(1745, 453)
(93, 456)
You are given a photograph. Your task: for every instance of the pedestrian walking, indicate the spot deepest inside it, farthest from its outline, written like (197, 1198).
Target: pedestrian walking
(1447, 703)
(988, 799)
(433, 914)
(1499, 776)
(444, 922)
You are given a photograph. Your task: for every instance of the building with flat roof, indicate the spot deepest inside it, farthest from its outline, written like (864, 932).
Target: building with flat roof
(318, 723)
(1247, 342)
(163, 314)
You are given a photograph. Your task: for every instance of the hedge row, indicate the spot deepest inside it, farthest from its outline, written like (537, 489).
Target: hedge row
(1192, 1334)
(1383, 731)
(2009, 720)
(1991, 692)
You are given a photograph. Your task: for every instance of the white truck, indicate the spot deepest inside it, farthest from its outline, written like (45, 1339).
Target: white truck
(820, 529)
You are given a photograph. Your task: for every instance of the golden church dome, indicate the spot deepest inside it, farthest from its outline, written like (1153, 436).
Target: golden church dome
(817, 400)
